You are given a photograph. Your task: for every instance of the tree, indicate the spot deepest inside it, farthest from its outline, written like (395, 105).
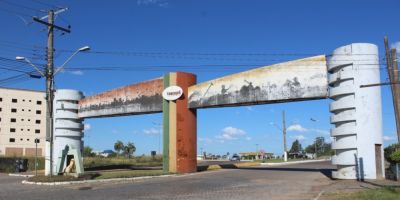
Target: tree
(296, 147)
(319, 147)
(129, 149)
(88, 152)
(119, 146)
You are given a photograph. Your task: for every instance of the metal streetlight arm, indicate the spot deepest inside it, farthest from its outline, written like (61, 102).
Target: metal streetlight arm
(30, 63)
(85, 48)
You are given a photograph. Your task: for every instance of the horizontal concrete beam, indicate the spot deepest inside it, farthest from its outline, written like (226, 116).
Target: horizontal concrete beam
(135, 99)
(297, 80)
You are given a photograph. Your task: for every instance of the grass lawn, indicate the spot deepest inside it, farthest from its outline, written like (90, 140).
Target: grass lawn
(386, 193)
(129, 174)
(99, 175)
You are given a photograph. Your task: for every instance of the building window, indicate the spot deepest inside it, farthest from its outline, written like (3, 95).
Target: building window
(30, 100)
(23, 109)
(13, 120)
(38, 112)
(12, 139)
(37, 131)
(14, 110)
(21, 139)
(14, 100)
(1, 99)
(37, 140)
(37, 121)
(12, 130)
(39, 102)
(0, 109)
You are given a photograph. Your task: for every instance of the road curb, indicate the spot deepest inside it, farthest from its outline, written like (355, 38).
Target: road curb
(21, 175)
(110, 180)
(294, 162)
(95, 181)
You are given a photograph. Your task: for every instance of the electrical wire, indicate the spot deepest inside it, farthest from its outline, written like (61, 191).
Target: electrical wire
(20, 6)
(45, 4)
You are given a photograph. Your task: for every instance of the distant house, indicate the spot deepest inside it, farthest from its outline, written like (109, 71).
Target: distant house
(106, 153)
(255, 155)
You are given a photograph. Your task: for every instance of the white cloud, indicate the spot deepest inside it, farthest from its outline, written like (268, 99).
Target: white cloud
(77, 72)
(300, 128)
(298, 137)
(205, 140)
(159, 3)
(297, 127)
(388, 138)
(248, 138)
(230, 133)
(396, 45)
(152, 131)
(87, 127)
(249, 108)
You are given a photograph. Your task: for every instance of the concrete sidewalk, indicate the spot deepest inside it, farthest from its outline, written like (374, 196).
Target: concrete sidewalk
(293, 162)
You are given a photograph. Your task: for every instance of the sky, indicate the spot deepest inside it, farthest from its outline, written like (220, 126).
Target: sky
(139, 40)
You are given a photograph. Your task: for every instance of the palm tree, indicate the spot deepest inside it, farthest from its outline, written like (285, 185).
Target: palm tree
(119, 146)
(129, 149)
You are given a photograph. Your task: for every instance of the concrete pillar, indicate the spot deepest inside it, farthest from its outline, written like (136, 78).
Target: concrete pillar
(180, 127)
(356, 112)
(68, 127)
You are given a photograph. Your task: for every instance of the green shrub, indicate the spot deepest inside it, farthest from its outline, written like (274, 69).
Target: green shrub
(7, 164)
(395, 156)
(390, 150)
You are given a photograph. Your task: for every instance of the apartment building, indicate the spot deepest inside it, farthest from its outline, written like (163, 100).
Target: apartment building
(22, 122)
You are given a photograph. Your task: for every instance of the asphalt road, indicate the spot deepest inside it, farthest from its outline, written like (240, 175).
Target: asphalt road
(297, 181)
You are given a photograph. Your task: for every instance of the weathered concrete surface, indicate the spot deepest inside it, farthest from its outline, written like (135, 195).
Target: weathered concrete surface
(139, 98)
(292, 182)
(297, 80)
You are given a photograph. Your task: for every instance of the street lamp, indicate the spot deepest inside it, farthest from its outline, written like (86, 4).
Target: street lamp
(50, 94)
(283, 129)
(82, 49)
(20, 58)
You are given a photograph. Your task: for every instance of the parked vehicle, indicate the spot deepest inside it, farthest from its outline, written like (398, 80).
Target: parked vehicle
(235, 157)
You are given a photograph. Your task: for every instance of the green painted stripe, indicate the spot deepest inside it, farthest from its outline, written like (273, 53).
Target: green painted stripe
(166, 128)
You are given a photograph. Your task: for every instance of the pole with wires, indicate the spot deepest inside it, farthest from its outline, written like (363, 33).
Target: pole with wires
(50, 86)
(50, 79)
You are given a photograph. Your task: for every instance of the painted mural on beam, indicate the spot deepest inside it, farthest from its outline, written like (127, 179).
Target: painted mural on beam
(140, 98)
(296, 80)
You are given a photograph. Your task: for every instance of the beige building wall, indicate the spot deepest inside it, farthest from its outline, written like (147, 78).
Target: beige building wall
(22, 120)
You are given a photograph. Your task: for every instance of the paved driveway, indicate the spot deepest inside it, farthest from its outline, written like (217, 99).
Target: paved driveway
(298, 181)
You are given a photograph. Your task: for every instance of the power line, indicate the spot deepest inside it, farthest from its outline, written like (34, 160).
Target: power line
(14, 12)
(45, 4)
(20, 6)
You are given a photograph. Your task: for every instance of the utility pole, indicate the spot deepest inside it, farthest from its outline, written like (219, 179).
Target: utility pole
(50, 86)
(284, 136)
(392, 67)
(50, 77)
(397, 88)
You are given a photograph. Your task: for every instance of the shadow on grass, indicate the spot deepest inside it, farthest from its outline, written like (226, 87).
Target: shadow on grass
(112, 167)
(61, 178)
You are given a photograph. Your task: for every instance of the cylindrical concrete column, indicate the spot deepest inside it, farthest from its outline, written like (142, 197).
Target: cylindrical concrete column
(356, 112)
(68, 127)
